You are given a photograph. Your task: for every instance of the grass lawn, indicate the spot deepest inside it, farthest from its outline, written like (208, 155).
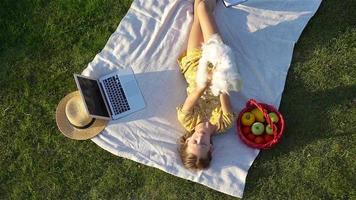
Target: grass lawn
(42, 43)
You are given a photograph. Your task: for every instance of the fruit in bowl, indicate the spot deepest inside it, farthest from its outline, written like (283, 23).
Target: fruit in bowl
(268, 138)
(246, 130)
(251, 137)
(259, 140)
(269, 129)
(247, 119)
(258, 115)
(260, 136)
(257, 128)
(274, 117)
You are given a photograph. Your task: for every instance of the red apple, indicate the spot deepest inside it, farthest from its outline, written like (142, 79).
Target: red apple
(268, 138)
(246, 130)
(259, 140)
(251, 137)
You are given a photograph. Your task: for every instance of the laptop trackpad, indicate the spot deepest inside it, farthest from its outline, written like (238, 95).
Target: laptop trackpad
(131, 89)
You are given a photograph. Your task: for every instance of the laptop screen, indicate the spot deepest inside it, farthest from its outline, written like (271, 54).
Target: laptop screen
(92, 96)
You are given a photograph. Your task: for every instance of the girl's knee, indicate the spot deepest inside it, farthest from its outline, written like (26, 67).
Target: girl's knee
(202, 7)
(196, 4)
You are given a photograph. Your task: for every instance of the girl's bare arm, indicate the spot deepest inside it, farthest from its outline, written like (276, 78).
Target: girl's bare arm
(192, 99)
(225, 103)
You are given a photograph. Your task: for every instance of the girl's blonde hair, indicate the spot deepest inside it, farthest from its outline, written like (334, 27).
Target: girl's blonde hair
(191, 161)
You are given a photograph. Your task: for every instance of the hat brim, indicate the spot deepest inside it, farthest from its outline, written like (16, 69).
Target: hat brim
(69, 130)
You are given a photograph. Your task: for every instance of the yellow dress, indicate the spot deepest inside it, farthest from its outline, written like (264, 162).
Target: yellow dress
(208, 106)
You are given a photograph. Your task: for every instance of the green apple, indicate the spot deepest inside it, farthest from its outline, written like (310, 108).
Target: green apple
(269, 129)
(274, 117)
(257, 128)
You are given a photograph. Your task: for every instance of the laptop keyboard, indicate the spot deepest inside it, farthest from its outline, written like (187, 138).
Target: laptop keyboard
(116, 94)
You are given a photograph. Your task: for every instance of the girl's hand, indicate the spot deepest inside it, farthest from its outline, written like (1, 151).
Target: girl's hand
(210, 77)
(208, 81)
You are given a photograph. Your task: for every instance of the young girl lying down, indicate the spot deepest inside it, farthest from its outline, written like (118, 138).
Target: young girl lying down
(210, 72)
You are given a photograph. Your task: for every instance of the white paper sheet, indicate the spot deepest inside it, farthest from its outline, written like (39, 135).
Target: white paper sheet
(229, 3)
(150, 38)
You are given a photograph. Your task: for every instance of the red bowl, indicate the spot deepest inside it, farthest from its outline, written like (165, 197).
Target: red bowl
(265, 108)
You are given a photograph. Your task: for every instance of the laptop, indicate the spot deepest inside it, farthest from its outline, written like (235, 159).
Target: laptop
(112, 96)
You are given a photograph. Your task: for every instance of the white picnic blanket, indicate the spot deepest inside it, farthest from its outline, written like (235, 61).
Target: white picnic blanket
(150, 38)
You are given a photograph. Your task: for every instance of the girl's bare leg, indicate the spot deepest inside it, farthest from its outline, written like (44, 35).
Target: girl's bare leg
(206, 19)
(195, 36)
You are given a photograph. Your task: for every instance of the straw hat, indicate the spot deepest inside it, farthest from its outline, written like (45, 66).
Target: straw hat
(73, 120)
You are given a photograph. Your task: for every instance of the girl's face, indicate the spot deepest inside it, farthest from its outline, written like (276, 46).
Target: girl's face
(199, 143)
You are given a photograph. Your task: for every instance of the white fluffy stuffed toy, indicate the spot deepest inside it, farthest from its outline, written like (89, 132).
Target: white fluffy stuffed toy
(225, 75)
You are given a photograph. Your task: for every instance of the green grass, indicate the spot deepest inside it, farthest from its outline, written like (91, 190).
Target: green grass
(45, 42)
